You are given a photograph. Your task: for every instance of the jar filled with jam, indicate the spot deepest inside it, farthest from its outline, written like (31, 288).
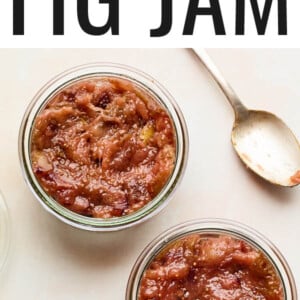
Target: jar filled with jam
(103, 146)
(211, 259)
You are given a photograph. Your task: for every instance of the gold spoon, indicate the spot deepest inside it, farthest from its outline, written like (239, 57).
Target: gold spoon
(262, 141)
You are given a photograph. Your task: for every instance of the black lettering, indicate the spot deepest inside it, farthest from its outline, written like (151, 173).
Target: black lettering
(214, 10)
(261, 20)
(166, 19)
(240, 17)
(18, 17)
(112, 22)
(58, 17)
(282, 17)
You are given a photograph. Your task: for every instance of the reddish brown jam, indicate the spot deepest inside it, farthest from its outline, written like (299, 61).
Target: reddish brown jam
(103, 147)
(296, 177)
(213, 267)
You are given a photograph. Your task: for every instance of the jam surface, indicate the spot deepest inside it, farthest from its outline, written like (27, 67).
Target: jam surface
(103, 147)
(213, 267)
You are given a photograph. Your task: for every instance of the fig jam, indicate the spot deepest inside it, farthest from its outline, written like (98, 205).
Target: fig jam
(103, 147)
(214, 267)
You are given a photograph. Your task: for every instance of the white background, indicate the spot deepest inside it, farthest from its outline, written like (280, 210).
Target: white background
(50, 260)
(137, 17)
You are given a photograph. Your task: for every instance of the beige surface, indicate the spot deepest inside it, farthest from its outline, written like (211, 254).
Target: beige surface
(50, 260)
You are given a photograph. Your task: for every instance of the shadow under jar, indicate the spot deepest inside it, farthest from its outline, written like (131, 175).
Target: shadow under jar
(103, 146)
(211, 259)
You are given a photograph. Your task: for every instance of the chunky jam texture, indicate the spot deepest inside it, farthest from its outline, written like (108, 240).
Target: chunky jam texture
(103, 147)
(199, 267)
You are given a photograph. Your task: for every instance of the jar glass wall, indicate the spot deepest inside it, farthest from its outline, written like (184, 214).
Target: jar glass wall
(4, 232)
(93, 71)
(212, 227)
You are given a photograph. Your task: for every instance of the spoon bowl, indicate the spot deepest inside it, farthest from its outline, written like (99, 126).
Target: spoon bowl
(267, 146)
(262, 141)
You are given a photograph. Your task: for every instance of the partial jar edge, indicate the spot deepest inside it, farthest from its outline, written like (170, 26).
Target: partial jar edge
(92, 70)
(224, 226)
(5, 232)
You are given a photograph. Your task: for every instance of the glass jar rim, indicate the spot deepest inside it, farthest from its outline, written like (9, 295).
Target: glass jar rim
(217, 226)
(145, 82)
(4, 232)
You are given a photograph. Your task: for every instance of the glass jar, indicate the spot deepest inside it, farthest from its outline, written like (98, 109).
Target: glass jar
(212, 226)
(4, 232)
(143, 81)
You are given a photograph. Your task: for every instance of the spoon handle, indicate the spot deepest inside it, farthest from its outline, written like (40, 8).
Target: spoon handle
(238, 107)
